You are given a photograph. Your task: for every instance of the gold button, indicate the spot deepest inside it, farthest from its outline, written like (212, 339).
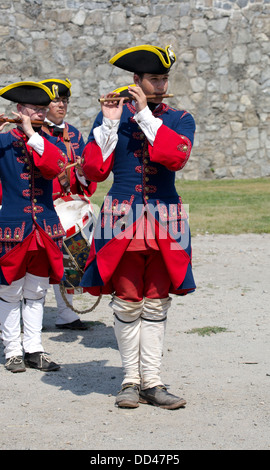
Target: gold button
(7, 236)
(35, 200)
(34, 208)
(145, 160)
(146, 197)
(16, 236)
(35, 217)
(185, 147)
(146, 179)
(146, 188)
(146, 170)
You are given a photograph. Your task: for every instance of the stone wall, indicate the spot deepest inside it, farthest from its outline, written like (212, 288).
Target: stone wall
(222, 73)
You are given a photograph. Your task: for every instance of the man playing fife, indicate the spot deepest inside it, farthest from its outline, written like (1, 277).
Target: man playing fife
(30, 231)
(141, 251)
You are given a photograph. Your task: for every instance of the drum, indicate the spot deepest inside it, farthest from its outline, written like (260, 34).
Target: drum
(77, 217)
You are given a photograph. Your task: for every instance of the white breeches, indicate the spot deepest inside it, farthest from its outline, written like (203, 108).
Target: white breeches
(31, 290)
(140, 329)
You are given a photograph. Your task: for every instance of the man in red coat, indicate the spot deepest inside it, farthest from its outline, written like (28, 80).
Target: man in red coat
(141, 250)
(70, 181)
(31, 233)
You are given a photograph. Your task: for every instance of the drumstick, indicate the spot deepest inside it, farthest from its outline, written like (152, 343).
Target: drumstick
(71, 164)
(129, 98)
(19, 121)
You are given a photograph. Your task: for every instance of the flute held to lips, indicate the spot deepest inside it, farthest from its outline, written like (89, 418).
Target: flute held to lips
(130, 98)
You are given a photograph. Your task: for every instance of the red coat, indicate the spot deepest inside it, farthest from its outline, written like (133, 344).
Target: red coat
(144, 177)
(27, 217)
(74, 142)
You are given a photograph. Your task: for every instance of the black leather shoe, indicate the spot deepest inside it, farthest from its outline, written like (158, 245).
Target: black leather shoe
(15, 364)
(128, 397)
(75, 325)
(40, 361)
(159, 396)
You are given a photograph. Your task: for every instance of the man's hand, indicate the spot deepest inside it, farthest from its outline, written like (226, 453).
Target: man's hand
(4, 123)
(79, 166)
(112, 109)
(139, 97)
(26, 123)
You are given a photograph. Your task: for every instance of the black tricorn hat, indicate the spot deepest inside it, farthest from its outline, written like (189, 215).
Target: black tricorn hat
(123, 91)
(145, 59)
(28, 93)
(59, 87)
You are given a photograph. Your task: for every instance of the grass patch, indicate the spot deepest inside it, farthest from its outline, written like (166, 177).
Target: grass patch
(207, 330)
(227, 206)
(220, 206)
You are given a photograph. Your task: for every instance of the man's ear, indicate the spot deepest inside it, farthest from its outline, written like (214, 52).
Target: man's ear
(19, 107)
(136, 79)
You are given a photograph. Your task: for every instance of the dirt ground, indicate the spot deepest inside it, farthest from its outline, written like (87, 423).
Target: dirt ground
(225, 377)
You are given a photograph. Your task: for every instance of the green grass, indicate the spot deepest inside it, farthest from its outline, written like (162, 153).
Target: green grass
(207, 330)
(220, 206)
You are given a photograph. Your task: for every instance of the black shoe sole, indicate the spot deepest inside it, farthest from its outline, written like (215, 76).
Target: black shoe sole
(32, 366)
(127, 404)
(173, 406)
(16, 371)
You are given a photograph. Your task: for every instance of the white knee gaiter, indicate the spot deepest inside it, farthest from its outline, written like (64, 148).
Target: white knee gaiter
(10, 325)
(153, 326)
(10, 316)
(127, 326)
(32, 313)
(34, 292)
(64, 313)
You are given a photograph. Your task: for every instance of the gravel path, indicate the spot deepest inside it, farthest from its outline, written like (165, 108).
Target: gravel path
(225, 377)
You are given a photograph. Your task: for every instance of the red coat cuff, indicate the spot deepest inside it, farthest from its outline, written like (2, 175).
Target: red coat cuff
(170, 149)
(52, 162)
(94, 168)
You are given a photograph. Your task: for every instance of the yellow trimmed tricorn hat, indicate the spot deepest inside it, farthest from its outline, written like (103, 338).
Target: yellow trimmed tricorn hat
(60, 87)
(123, 91)
(145, 59)
(28, 92)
